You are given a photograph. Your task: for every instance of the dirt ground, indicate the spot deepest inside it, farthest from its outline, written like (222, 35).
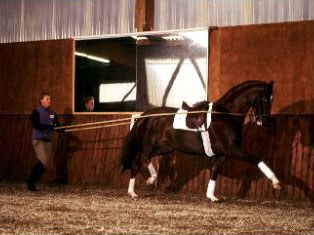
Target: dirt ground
(97, 210)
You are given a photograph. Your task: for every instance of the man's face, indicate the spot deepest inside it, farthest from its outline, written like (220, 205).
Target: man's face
(45, 101)
(89, 105)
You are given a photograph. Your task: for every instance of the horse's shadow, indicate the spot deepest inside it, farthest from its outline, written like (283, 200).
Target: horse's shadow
(287, 147)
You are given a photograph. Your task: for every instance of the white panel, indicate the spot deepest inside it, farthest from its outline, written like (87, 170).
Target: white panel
(31, 20)
(180, 14)
(117, 92)
(159, 72)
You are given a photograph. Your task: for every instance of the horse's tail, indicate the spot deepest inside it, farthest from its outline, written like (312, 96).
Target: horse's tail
(130, 150)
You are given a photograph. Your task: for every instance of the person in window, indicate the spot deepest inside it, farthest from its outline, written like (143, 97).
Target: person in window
(89, 104)
(43, 121)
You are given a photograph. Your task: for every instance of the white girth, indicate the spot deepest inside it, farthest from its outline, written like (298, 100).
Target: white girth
(179, 122)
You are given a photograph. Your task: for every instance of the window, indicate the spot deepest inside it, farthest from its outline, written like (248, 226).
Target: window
(135, 73)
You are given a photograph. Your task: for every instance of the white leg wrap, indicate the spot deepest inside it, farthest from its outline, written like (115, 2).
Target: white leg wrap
(152, 170)
(210, 191)
(266, 170)
(131, 188)
(270, 175)
(153, 174)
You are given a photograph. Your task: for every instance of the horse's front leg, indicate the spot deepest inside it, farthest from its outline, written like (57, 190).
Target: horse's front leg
(269, 174)
(153, 174)
(218, 161)
(252, 159)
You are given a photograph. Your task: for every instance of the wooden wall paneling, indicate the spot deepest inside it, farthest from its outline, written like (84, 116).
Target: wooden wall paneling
(106, 154)
(4, 146)
(203, 182)
(123, 131)
(29, 68)
(306, 143)
(100, 153)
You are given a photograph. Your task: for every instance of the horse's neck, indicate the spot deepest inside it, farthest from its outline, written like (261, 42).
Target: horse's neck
(236, 100)
(233, 104)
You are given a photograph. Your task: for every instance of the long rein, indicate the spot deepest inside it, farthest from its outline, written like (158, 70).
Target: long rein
(127, 121)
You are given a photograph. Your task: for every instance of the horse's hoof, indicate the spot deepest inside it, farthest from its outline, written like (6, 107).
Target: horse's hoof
(133, 195)
(214, 199)
(277, 186)
(150, 180)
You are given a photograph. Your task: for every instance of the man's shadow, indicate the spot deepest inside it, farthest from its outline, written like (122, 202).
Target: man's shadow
(287, 147)
(67, 145)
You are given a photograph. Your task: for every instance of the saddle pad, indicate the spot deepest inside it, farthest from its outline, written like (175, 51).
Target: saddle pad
(179, 121)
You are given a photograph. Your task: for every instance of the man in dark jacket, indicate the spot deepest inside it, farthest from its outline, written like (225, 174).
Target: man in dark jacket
(43, 121)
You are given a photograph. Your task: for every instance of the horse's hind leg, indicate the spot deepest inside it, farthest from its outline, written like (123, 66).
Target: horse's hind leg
(153, 174)
(159, 149)
(134, 172)
(131, 191)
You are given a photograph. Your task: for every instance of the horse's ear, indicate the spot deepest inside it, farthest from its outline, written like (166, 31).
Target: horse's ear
(269, 87)
(271, 83)
(185, 105)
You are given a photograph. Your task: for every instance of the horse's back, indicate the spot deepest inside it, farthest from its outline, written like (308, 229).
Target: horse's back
(160, 110)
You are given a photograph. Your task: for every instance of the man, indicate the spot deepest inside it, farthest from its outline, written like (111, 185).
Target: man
(89, 104)
(43, 121)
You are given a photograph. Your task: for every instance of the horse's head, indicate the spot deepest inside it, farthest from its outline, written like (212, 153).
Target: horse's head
(196, 120)
(261, 105)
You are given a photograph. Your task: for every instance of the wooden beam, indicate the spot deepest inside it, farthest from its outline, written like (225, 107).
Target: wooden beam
(144, 15)
(149, 15)
(140, 15)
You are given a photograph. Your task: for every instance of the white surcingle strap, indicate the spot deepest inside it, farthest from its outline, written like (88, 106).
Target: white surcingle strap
(206, 143)
(209, 115)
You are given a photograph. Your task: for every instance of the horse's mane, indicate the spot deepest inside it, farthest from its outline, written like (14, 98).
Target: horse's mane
(238, 89)
(199, 104)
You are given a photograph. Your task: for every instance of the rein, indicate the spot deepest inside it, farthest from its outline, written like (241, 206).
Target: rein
(127, 121)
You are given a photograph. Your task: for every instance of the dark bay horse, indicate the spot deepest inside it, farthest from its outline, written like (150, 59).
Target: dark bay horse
(155, 135)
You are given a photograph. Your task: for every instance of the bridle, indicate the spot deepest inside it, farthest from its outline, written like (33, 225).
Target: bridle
(257, 108)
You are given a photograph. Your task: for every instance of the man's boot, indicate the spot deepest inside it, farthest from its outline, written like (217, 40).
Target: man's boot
(35, 175)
